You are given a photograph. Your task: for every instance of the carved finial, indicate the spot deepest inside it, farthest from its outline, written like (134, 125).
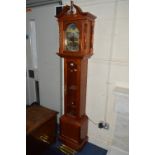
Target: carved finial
(72, 3)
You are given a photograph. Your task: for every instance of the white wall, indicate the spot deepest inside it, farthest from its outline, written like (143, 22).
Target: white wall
(49, 69)
(108, 67)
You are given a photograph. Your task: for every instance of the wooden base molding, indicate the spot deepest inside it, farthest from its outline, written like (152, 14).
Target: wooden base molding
(73, 132)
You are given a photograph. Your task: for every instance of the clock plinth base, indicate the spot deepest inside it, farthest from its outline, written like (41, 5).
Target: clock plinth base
(72, 144)
(73, 132)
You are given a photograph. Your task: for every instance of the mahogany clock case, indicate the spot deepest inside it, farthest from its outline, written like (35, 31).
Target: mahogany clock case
(75, 46)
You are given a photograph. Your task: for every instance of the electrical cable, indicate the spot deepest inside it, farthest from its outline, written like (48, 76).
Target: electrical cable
(92, 121)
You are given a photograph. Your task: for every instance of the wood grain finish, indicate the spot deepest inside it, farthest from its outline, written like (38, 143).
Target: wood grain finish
(73, 132)
(41, 123)
(85, 23)
(75, 86)
(74, 122)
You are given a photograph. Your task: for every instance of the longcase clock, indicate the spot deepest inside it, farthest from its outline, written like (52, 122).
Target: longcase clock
(75, 46)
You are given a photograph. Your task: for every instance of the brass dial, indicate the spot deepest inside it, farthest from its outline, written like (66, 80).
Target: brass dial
(72, 38)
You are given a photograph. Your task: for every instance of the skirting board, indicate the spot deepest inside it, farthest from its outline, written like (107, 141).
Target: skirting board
(116, 151)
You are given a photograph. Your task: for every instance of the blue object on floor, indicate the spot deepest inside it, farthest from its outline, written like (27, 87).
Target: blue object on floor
(91, 149)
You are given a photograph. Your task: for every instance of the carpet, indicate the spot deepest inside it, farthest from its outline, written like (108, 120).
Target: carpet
(88, 149)
(35, 147)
